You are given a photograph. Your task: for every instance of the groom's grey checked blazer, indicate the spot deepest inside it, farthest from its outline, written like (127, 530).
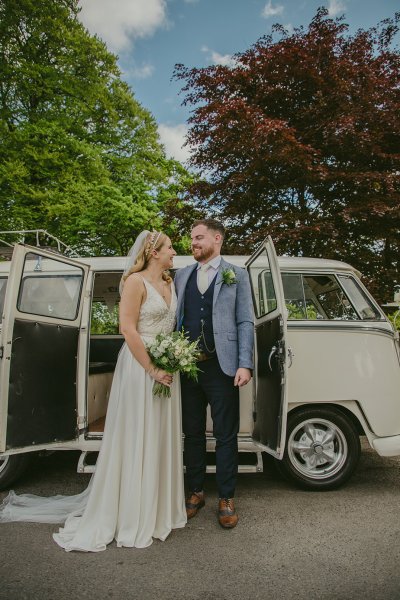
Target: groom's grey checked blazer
(233, 318)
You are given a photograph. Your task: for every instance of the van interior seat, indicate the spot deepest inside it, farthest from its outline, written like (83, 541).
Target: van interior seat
(99, 386)
(103, 357)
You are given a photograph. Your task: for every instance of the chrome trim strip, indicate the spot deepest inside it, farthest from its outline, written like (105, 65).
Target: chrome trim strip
(311, 325)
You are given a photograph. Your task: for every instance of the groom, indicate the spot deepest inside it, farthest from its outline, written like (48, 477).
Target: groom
(215, 306)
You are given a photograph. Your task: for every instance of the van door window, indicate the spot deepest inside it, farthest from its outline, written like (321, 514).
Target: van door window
(50, 288)
(262, 285)
(3, 285)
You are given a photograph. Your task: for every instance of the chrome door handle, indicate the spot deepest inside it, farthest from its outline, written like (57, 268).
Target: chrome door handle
(291, 356)
(271, 354)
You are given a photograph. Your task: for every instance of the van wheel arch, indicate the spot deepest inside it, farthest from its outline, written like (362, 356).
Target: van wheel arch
(336, 408)
(322, 446)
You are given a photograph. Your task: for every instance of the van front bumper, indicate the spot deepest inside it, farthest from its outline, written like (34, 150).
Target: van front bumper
(387, 446)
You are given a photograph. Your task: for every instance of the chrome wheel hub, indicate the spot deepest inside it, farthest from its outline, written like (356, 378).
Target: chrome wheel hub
(317, 448)
(3, 463)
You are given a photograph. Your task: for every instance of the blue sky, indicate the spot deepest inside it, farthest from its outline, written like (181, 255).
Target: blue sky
(150, 36)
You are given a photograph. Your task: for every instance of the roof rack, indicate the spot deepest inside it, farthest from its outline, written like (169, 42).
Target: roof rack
(7, 247)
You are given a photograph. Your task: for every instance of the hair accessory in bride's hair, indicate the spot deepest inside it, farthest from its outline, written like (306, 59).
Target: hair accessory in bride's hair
(155, 236)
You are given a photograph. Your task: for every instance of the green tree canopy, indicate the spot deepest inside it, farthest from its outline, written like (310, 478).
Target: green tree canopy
(301, 140)
(79, 156)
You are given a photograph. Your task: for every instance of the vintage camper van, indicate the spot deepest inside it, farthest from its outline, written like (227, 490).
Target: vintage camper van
(327, 363)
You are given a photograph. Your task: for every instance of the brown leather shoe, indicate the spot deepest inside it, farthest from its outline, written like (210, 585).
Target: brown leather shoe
(194, 502)
(227, 515)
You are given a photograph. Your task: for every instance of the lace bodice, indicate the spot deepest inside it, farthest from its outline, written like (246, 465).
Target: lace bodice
(155, 315)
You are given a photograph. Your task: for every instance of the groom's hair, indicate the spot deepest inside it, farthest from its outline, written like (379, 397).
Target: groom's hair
(212, 224)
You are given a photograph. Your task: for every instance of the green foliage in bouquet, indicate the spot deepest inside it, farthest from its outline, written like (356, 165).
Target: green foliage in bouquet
(173, 352)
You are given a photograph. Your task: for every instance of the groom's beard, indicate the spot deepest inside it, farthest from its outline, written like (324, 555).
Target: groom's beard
(202, 254)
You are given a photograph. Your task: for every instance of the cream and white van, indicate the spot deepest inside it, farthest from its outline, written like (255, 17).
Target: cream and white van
(327, 364)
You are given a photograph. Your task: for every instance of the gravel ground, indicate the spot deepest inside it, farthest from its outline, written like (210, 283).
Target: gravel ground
(289, 543)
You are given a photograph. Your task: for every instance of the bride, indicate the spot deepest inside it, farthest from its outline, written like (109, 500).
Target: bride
(136, 493)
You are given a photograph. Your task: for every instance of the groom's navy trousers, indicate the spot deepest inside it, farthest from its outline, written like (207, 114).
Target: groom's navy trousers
(216, 388)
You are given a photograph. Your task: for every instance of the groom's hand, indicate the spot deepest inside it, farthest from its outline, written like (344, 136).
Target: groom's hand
(242, 377)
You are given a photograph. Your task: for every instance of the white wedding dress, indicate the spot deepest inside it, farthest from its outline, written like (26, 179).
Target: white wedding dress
(136, 493)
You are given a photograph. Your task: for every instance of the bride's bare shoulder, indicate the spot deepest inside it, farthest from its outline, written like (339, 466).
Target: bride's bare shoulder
(135, 277)
(134, 284)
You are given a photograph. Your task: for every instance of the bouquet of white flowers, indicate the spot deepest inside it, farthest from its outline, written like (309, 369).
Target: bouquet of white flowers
(173, 352)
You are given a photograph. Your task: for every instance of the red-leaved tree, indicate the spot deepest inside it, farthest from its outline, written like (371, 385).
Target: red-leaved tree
(301, 140)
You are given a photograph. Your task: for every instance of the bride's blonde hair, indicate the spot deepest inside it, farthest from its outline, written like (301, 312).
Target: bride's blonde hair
(153, 241)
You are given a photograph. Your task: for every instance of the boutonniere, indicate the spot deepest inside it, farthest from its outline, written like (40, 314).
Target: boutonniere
(228, 276)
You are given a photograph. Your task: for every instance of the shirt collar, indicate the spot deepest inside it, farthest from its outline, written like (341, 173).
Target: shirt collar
(214, 262)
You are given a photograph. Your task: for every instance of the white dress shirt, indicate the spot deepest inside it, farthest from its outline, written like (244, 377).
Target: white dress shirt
(212, 271)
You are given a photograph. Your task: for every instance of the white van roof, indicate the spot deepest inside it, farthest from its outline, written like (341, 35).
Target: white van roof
(286, 263)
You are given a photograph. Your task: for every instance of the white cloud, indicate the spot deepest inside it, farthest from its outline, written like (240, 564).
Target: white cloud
(143, 72)
(335, 7)
(289, 28)
(119, 22)
(173, 138)
(272, 11)
(226, 60)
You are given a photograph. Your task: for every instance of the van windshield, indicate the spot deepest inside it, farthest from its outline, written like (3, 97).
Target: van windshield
(363, 305)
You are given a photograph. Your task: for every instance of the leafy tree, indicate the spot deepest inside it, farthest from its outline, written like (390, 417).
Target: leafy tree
(395, 319)
(298, 311)
(301, 140)
(104, 321)
(79, 155)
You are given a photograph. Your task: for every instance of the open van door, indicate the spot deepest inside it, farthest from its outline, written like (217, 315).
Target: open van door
(270, 377)
(39, 348)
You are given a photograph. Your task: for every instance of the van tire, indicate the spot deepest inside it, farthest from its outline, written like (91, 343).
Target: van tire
(12, 467)
(322, 448)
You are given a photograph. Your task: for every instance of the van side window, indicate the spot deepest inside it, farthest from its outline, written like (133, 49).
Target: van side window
(294, 295)
(328, 298)
(50, 288)
(316, 297)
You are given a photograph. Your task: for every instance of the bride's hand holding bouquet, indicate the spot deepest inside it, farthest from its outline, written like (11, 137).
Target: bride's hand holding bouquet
(172, 352)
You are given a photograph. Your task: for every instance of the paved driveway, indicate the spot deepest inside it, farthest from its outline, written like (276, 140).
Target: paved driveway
(288, 544)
